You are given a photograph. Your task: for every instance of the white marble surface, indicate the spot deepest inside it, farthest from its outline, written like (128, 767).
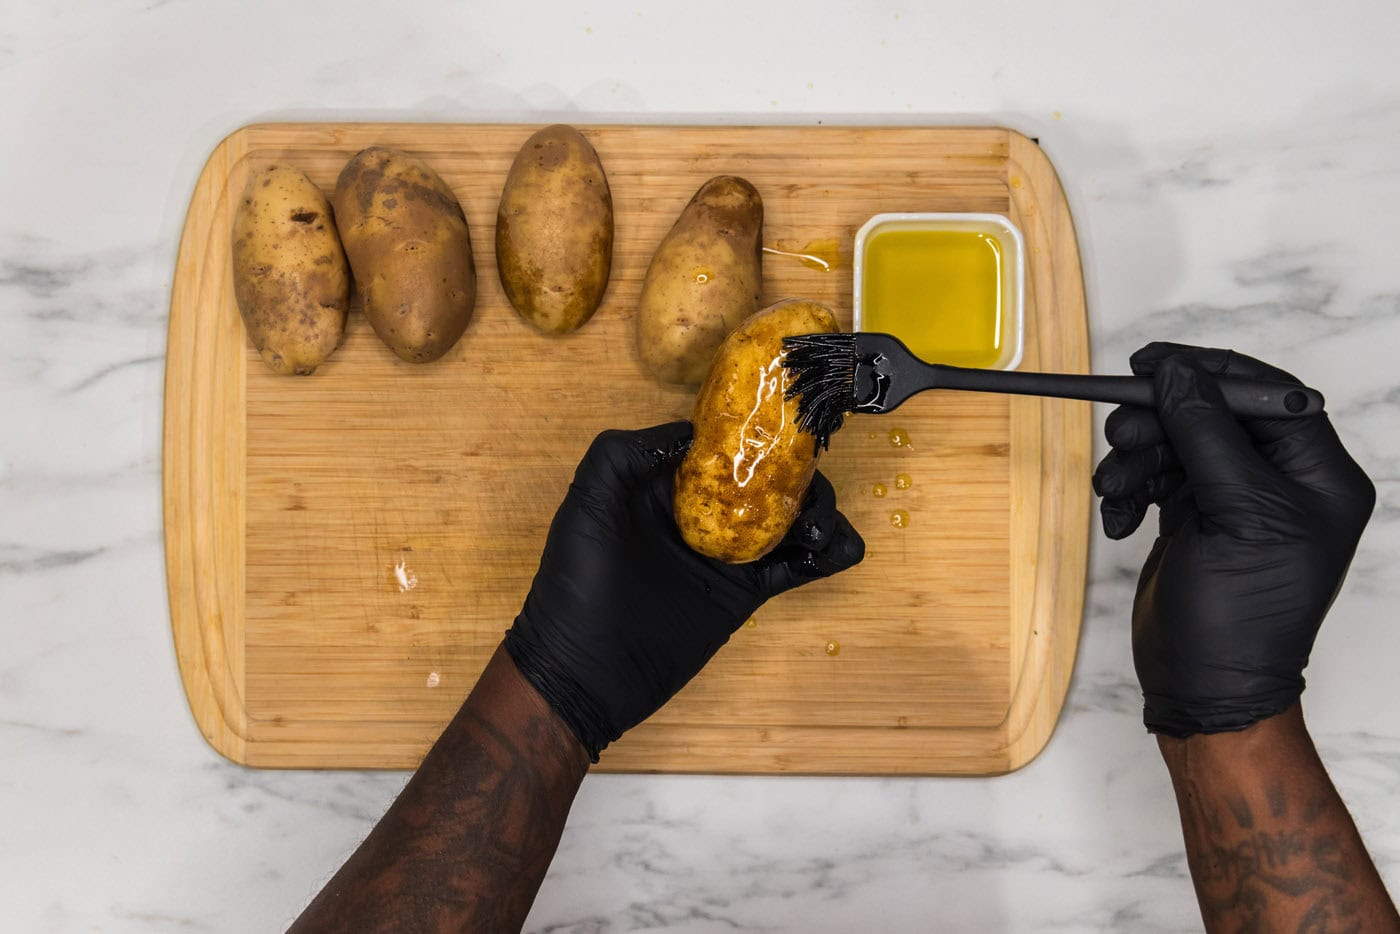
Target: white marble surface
(1234, 170)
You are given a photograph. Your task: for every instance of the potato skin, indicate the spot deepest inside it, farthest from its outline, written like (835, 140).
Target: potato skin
(705, 278)
(741, 485)
(410, 250)
(289, 272)
(554, 231)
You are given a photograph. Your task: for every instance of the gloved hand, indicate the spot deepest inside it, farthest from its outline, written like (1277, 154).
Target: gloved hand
(622, 613)
(1259, 520)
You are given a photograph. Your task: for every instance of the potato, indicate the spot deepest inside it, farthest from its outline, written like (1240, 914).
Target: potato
(554, 231)
(705, 278)
(741, 485)
(410, 251)
(289, 272)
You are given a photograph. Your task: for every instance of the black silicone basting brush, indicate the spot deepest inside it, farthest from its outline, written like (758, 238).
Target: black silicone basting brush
(839, 373)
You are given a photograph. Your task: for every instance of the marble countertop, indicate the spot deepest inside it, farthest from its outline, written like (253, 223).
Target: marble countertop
(1234, 172)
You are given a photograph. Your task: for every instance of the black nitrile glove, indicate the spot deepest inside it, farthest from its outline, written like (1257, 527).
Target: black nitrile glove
(622, 613)
(1259, 520)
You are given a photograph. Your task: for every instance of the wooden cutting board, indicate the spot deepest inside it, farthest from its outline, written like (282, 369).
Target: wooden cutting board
(344, 551)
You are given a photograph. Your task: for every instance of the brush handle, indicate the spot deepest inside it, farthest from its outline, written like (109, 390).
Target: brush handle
(1247, 398)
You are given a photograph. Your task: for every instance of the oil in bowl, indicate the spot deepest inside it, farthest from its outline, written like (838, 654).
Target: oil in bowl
(948, 285)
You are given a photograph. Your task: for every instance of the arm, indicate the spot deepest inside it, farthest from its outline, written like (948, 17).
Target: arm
(1258, 522)
(1270, 844)
(467, 843)
(620, 616)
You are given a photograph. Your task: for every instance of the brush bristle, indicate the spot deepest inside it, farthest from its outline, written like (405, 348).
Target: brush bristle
(823, 367)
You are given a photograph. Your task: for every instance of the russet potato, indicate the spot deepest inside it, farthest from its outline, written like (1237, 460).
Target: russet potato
(290, 277)
(410, 251)
(705, 278)
(741, 484)
(554, 231)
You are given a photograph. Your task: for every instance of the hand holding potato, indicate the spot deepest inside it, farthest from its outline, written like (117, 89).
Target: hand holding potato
(622, 614)
(742, 482)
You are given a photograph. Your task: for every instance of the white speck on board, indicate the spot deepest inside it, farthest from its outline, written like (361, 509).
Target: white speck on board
(406, 578)
(433, 679)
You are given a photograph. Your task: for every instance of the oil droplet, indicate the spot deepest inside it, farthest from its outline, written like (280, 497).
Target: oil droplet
(878, 490)
(740, 511)
(873, 436)
(900, 438)
(833, 647)
(899, 519)
(705, 509)
(902, 481)
(703, 276)
(752, 623)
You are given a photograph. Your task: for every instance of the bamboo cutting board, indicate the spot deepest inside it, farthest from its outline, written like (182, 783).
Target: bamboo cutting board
(344, 551)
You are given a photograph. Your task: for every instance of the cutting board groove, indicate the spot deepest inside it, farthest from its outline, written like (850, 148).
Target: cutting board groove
(297, 509)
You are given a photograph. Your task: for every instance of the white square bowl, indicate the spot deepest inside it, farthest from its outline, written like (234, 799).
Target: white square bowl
(1013, 269)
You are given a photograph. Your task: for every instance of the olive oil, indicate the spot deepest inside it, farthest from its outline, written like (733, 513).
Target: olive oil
(939, 291)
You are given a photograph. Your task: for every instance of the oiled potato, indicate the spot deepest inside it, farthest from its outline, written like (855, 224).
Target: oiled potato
(740, 487)
(410, 250)
(554, 231)
(289, 272)
(705, 278)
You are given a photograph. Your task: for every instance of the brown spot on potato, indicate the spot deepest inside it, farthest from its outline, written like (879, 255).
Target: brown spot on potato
(304, 217)
(554, 155)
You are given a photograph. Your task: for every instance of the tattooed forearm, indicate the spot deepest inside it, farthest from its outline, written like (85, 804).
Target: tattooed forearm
(1270, 843)
(469, 839)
